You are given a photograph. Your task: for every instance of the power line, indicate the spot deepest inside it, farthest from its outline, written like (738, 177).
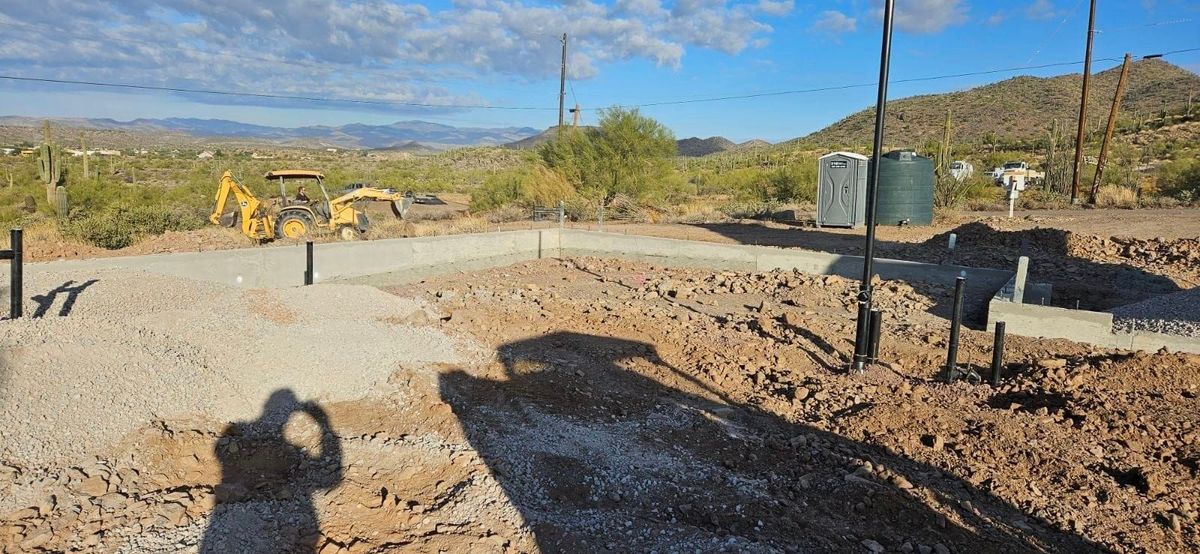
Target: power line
(131, 86)
(863, 85)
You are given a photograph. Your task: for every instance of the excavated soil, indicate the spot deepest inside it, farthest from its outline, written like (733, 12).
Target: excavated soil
(590, 406)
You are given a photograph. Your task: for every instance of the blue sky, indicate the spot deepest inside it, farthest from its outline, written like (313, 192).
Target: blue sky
(504, 53)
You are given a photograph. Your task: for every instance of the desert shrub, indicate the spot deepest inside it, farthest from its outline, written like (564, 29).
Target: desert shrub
(628, 153)
(1112, 196)
(1038, 198)
(949, 192)
(795, 182)
(750, 210)
(1181, 179)
(118, 227)
(507, 213)
(534, 185)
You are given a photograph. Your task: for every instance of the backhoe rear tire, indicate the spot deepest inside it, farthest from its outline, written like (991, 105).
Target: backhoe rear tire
(293, 225)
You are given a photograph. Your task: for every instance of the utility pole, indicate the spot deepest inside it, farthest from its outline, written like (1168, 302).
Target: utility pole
(575, 116)
(562, 81)
(1108, 131)
(1083, 101)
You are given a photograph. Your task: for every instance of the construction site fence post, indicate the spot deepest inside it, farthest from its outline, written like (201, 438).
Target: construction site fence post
(998, 353)
(16, 273)
(308, 262)
(960, 284)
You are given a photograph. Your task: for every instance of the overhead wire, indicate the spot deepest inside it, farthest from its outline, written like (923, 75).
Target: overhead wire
(451, 105)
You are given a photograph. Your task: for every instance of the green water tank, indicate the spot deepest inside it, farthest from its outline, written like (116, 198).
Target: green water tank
(905, 189)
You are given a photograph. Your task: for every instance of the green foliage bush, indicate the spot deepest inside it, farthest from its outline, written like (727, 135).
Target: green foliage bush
(1181, 179)
(628, 154)
(530, 186)
(117, 227)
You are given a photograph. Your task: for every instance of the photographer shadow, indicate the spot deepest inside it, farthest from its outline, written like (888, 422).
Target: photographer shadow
(599, 457)
(264, 500)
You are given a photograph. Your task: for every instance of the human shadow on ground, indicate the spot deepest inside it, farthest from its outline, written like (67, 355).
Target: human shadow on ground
(264, 500)
(598, 456)
(46, 301)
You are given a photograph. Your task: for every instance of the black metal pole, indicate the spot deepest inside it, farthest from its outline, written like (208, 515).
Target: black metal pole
(876, 328)
(308, 262)
(864, 290)
(16, 273)
(998, 353)
(955, 322)
(860, 338)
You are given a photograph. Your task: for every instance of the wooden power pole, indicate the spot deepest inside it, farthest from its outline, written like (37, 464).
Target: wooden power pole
(1083, 102)
(1108, 131)
(562, 81)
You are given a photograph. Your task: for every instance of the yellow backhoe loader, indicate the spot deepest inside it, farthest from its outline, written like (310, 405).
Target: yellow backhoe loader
(296, 219)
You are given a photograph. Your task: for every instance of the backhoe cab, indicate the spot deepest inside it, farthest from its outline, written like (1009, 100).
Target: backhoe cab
(296, 220)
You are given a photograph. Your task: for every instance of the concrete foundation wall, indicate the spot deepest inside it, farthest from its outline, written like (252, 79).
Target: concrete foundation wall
(283, 266)
(383, 262)
(1080, 326)
(683, 253)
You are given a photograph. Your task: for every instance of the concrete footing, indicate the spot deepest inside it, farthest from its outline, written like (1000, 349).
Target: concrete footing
(394, 261)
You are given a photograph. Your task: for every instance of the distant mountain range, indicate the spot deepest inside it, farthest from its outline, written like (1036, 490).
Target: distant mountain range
(399, 135)
(692, 147)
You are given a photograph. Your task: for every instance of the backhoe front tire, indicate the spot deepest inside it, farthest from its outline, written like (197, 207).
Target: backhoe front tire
(293, 225)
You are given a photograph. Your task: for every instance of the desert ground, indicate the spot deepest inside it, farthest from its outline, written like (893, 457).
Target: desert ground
(601, 405)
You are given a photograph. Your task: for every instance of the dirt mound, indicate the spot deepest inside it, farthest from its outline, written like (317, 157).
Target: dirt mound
(1086, 271)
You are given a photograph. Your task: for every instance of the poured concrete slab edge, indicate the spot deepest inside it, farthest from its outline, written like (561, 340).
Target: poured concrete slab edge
(400, 260)
(1084, 326)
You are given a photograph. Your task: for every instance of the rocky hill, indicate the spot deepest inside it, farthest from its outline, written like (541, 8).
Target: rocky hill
(1018, 108)
(694, 147)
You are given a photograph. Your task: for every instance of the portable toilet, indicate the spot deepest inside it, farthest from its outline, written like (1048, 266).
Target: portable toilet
(842, 190)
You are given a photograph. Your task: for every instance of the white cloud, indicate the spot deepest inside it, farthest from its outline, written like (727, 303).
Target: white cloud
(362, 48)
(996, 18)
(776, 8)
(925, 16)
(1041, 10)
(835, 22)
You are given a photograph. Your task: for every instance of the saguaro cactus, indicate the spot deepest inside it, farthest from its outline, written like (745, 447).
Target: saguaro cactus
(50, 169)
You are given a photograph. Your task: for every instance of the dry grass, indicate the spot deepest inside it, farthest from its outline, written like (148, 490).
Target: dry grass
(1116, 197)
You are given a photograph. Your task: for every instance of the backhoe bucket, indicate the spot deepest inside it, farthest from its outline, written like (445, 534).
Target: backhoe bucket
(400, 207)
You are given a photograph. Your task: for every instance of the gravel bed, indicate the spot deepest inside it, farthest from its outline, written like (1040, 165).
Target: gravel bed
(134, 348)
(1172, 314)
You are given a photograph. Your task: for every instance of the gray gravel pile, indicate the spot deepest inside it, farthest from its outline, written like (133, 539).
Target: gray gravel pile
(1172, 314)
(137, 348)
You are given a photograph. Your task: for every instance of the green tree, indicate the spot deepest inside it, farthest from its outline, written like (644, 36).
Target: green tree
(628, 153)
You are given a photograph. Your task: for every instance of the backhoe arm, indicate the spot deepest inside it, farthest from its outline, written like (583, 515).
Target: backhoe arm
(223, 191)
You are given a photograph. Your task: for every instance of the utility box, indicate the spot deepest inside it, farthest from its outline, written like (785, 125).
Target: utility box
(842, 190)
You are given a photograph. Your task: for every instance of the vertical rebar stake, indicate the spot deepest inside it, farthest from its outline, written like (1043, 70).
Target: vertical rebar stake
(876, 327)
(955, 322)
(308, 262)
(860, 340)
(16, 273)
(998, 353)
